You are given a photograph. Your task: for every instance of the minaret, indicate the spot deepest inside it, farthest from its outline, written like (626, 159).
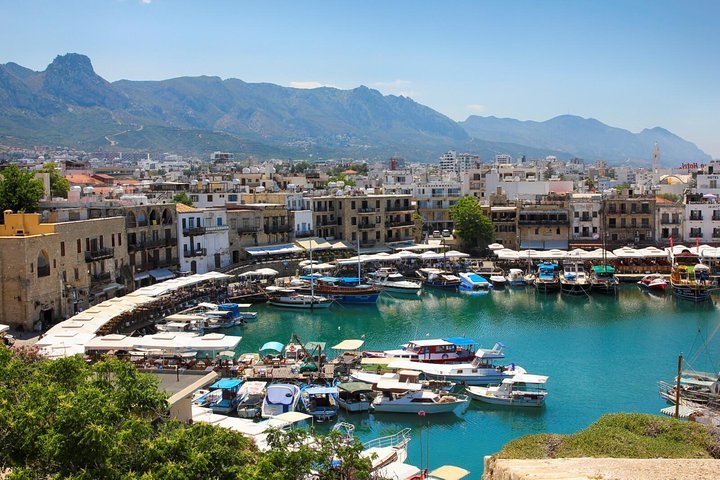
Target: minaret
(656, 159)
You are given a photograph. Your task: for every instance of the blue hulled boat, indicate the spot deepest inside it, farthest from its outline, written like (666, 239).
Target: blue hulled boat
(320, 402)
(223, 397)
(347, 290)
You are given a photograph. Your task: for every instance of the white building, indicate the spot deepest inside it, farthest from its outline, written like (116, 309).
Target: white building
(204, 244)
(585, 217)
(303, 223)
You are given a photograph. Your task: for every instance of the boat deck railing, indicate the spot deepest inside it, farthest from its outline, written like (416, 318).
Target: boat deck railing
(397, 440)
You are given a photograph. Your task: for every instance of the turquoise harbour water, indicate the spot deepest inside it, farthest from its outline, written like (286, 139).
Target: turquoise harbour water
(603, 354)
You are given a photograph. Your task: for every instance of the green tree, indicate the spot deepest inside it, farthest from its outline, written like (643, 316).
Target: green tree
(20, 191)
(59, 185)
(418, 221)
(183, 198)
(549, 172)
(472, 226)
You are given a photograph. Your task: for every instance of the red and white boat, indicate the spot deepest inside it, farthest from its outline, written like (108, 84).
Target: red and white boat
(654, 281)
(438, 350)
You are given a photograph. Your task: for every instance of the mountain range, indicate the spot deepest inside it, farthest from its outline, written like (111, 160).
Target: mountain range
(68, 104)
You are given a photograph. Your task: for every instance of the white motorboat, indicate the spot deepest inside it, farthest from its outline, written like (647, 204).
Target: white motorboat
(291, 299)
(404, 397)
(574, 280)
(654, 282)
(522, 390)
(473, 282)
(498, 280)
(516, 278)
(355, 396)
(320, 401)
(390, 280)
(438, 350)
(481, 371)
(251, 396)
(280, 398)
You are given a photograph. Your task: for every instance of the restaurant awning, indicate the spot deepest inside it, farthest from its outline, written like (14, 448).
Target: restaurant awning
(161, 274)
(273, 250)
(349, 345)
(141, 276)
(316, 243)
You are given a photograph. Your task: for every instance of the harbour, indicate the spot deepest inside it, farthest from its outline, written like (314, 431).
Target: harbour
(602, 353)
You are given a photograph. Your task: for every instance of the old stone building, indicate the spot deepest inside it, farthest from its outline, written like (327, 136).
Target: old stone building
(152, 241)
(50, 271)
(545, 224)
(629, 218)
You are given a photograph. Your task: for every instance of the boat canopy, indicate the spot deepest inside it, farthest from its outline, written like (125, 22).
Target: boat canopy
(277, 346)
(485, 353)
(321, 390)
(227, 383)
(603, 269)
(355, 387)
(252, 388)
(292, 417)
(398, 386)
(310, 346)
(349, 345)
(526, 378)
(460, 341)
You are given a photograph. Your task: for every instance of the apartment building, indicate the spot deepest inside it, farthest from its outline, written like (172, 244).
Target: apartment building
(702, 218)
(254, 224)
(434, 199)
(586, 218)
(630, 218)
(374, 220)
(50, 271)
(545, 224)
(204, 243)
(152, 241)
(669, 221)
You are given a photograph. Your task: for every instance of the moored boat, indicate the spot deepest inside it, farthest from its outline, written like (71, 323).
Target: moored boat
(320, 401)
(341, 289)
(405, 397)
(438, 350)
(481, 371)
(516, 278)
(223, 396)
(288, 298)
(547, 279)
(473, 282)
(498, 280)
(603, 279)
(280, 398)
(690, 279)
(654, 282)
(251, 398)
(521, 390)
(390, 280)
(355, 396)
(437, 278)
(574, 280)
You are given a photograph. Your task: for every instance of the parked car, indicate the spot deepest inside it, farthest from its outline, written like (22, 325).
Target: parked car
(446, 233)
(436, 234)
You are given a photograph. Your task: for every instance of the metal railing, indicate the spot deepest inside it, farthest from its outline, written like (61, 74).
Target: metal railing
(304, 234)
(278, 228)
(367, 226)
(99, 254)
(100, 277)
(399, 224)
(366, 210)
(248, 229)
(198, 252)
(397, 440)
(399, 208)
(193, 231)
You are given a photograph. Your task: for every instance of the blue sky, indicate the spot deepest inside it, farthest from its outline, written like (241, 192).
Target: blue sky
(630, 64)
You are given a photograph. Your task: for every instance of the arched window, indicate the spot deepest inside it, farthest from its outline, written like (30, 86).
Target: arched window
(130, 220)
(167, 217)
(142, 219)
(154, 217)
(43, 265)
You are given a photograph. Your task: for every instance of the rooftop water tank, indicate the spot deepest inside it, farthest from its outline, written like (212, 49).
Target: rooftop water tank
(246, 170)
(88, 190)
(260, 189)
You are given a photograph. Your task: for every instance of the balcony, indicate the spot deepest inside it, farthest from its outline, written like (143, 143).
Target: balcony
(192, 231)
(399, 208)
(103, 277)
(367, 226)
(155, 243)
(248, 229)
(696, 217)
(327, 223)
(198, 252)
(366, 210)
(217, 228)
(99, 254)
(399, 224)
(367, 243)
(676, 221)
(305, 234)
(586, 218)
(278, 228)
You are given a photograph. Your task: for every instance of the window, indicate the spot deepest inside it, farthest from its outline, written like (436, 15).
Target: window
(43, 265)
(209, 198)
(77, 274)
(79, 246)
(119, 239)
(577, 229)
(62, 249)
(557, 231)
(576, 214)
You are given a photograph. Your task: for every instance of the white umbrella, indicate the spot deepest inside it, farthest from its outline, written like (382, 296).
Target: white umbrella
(495, 246)
(430, 256)
(456, 254)
(266, 272)
(307, 262)
(627, 252)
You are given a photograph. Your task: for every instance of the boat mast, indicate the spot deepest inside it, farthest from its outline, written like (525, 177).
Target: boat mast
(312, 279)
(677, 386)
(358, 255)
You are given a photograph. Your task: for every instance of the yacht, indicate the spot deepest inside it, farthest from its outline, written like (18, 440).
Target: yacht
(654, 282)
(392, 281)
(438, 350)
(481, 371)
(473, 282)
(405, 397)
(522, 390)
(280, 398)
(288, 298)
(320, 401)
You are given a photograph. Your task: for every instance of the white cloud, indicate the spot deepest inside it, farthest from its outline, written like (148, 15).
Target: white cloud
(476, 107)
(310, 85)
(146, 2)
